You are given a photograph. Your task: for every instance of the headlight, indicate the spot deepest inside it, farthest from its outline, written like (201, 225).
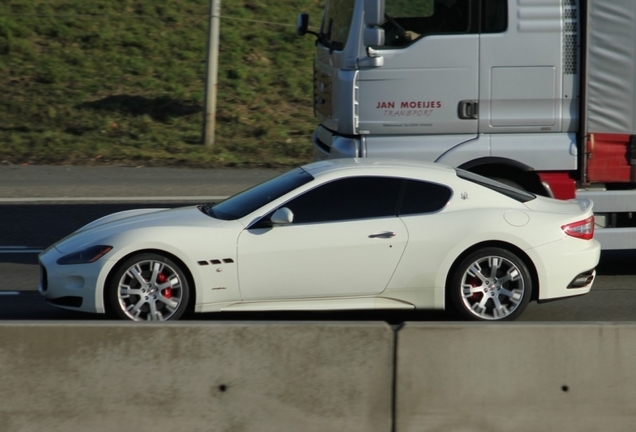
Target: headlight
(87, 255)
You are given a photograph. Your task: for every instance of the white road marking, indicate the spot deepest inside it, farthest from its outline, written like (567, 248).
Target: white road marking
(114, 199)
(9, 293)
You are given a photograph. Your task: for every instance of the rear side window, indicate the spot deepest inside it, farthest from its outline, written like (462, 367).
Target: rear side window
(509, 191)
(423, 197)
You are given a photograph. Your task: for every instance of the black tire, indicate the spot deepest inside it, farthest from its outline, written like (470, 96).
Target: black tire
(490, 284)
(148, 287)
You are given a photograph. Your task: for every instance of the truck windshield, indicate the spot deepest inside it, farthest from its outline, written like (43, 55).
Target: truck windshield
(336, 23)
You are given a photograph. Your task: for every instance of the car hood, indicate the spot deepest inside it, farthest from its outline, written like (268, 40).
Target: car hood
(135, 219)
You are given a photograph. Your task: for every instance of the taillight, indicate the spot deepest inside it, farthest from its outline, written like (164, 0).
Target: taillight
(583, 229)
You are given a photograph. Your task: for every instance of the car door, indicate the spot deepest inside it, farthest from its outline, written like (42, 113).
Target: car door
(345, 240)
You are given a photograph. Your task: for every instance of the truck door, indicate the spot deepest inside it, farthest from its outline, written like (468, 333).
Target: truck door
(521, 68)
(428, 83)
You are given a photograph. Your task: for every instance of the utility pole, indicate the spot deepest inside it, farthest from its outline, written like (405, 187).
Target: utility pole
(211, 72)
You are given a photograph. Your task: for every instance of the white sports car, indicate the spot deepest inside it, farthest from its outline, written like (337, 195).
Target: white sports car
(342, 234)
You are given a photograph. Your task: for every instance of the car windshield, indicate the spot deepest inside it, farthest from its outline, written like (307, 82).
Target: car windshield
(509, 191)
(252, 199)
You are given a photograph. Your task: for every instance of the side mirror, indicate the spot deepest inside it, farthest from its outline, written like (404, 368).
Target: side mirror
(373, 12)
(302, 24)
(373, 36)
(282, 216)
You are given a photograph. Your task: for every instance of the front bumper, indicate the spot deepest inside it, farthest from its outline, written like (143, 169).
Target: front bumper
(330, 146)
(73, 287)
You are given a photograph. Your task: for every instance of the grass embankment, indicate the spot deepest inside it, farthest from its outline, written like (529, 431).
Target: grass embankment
(122, 82)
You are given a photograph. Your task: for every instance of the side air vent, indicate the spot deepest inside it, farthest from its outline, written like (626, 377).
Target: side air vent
(218, 261)
(570, 37)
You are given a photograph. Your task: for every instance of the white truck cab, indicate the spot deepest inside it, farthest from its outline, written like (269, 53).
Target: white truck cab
(539, 93)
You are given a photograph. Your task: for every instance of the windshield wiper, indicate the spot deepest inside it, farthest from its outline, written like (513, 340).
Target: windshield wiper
(207, 209)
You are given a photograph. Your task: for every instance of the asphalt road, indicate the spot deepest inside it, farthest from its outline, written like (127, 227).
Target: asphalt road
(25, 184)
(40, 205)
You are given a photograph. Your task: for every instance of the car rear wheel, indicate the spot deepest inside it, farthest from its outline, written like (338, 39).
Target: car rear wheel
(148, 287)
(491, 284)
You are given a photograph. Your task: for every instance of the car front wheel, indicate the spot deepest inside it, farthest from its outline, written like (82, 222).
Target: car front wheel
(148, 287)
(491, 284)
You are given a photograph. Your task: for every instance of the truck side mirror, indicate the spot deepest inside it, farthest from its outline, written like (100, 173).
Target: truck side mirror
(373, 36)
(282, 216)
(302, 23)
(373, 12)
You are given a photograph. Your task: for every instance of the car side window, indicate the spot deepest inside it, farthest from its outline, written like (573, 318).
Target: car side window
(347, 199)
(423, 197)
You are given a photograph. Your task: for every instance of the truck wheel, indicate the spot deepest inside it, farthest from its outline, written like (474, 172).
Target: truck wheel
(491, 284)
(148, 287)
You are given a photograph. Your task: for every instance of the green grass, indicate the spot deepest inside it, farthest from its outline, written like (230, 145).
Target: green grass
(122, 82)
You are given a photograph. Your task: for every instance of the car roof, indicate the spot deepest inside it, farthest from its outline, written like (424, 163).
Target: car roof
(373, 166)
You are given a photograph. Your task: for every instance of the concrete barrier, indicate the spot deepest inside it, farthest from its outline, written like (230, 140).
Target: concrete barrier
(195, 377)
(516, 377)
(77, 377)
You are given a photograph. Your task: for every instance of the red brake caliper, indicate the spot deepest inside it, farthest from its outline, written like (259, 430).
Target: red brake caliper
(166, 292)
(474, 282)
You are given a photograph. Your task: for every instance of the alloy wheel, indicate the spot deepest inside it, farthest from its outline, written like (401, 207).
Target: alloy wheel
(150, 290)
(493, 287)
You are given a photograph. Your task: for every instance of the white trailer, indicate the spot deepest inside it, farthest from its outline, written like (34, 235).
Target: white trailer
(540, 93)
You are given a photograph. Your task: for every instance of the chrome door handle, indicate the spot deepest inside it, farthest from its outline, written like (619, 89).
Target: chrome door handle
(386, 234)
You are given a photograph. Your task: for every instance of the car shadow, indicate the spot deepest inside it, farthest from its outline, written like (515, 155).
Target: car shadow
(617, 262)
(392, 317)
